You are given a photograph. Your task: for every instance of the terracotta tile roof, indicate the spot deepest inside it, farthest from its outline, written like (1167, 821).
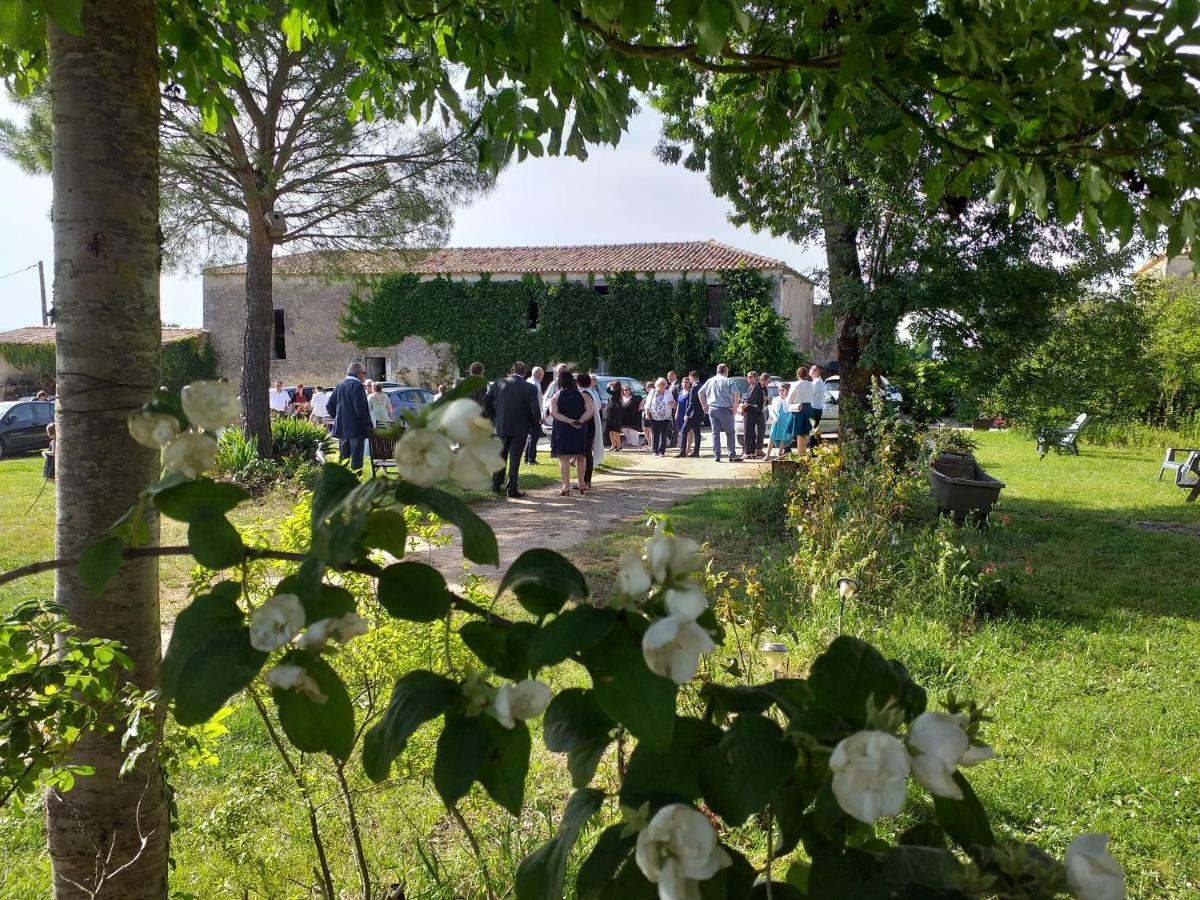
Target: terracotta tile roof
(679, 256)
(37, 334)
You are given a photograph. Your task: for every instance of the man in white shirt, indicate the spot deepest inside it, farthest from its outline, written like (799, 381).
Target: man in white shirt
(816, 373)
(279, 399)
(536, 377)
(320, 412)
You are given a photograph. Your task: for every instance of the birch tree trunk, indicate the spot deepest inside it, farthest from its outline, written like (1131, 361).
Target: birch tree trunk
(107, 837)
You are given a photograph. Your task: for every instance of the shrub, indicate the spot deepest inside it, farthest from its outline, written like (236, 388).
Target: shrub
(766, 503)
(299, 437)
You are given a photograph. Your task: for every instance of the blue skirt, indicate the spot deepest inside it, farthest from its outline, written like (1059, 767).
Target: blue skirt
(799, 423)
(780, 428)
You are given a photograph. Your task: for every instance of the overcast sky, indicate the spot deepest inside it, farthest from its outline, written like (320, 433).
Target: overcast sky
(617, 195)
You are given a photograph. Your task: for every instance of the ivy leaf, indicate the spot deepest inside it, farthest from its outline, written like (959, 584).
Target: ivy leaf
(214, 542)
(479, 542)
(575, 630)
(506, 764)
(386, 530)
(417, 697)
(543, 581)
(611, 849)
(750, 765)
(414, 591)
(540, 875)
(628, 691)
(964, 820)
(461, 749)
(197, 499)
(100, 562)
(317, 727)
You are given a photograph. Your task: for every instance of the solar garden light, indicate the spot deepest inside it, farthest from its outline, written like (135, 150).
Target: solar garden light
(847, 588)
(776, 655)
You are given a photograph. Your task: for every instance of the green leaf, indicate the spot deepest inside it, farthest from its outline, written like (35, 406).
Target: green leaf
(215, 542)
(574, 719)
(540, 875)
(750, 765)
(506, 764)
(849, 673)
(628, 691)
(414, 591)
(582, 761)
(67, 14)
(575, 630)
(964, 820)
(671, 776)
(461, 749)
(417, 697)
(926, 867)
(543, 581)
(611, 849)
(195, 625)
(386, 530)
(334, 483)
(198, 499)
(489, 643)
(16, 25)
(317, 727)
(100, 562)
(226, 664)
(846, 874)
(479, 542)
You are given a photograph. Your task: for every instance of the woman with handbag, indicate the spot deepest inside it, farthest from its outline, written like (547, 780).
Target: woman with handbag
(799, 404)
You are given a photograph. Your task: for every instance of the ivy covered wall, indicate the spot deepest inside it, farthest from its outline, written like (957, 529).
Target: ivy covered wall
(183, 361)
(641, 326)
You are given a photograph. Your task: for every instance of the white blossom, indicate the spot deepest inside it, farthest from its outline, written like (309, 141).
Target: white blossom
(210, 405)
(152, 429)
(670, 557)
(939, 744)
(632, 578)
(295, 678)
(673, 645)
(462, 421)
(190, 454)
(423, 456)
(1092, 873)
(340, 629)
(474, 464)
(276, 622)
(678, 849)
(686, 600)
(522, 700)
(870, 769)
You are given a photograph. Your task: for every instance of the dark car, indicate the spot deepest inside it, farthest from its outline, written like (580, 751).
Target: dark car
(23, 426)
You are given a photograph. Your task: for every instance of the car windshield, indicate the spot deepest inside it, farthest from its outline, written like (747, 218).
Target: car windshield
(6, 408)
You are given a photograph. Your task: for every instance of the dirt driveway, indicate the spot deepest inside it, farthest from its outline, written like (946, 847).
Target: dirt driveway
(543, 518)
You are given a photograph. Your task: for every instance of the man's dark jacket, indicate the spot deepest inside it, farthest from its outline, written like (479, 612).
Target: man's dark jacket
(347, 407)
(513, 405)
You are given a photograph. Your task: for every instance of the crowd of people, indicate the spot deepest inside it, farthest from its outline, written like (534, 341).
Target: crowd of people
(778, 416)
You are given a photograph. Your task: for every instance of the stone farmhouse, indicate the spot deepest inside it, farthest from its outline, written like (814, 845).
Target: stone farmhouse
(1164, 266)
(311, 290)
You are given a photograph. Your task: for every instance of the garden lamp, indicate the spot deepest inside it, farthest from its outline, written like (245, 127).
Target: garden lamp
(776, 655)
(847, 587)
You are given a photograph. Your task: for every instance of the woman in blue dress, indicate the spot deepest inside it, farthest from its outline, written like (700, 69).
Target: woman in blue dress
(779, 428)
(571, 410)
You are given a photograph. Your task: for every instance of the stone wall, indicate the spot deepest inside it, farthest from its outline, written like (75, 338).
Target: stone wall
(795, 303)
(312, 306)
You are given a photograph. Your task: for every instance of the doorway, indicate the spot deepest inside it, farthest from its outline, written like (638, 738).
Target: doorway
(376, 367)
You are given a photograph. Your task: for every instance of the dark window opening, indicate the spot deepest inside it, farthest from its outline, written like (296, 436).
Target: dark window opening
(531, 314)
(716, 303)
(280, 346)
(600, 288)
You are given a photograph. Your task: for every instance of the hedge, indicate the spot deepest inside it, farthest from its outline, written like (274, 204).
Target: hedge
(183, 361)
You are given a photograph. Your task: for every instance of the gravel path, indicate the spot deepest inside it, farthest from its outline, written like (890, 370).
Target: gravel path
(543, 518)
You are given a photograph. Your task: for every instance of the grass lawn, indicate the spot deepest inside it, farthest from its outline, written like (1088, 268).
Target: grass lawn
(1093, 671)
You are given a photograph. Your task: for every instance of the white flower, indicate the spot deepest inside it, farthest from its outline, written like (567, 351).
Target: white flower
(523, 700)
(276, 622)
(1092, 873)
(939, 744)
(869, 772)
(151, 429)
(686, 600)
(672, 647)
(295, 678)
(423, 456)
(678, 849)
(340, 629)
(210, 405)
(670, 556)
(462, 421)
(474, 464)
(632, 578)
(190, 454)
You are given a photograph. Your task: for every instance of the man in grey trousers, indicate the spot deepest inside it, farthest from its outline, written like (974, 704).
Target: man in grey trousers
(719, 397)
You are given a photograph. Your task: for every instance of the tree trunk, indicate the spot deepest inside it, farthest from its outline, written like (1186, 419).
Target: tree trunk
(258, 342)
(108, 836)
(845, 290)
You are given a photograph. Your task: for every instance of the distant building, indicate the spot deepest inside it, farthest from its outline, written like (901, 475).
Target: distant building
(311, 290)
(1163, 266)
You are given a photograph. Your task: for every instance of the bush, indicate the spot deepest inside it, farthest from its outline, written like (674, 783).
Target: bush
(766, 503)
(294, 463)
(299, 437)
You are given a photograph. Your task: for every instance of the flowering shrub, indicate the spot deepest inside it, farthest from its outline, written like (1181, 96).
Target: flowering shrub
(818, 760)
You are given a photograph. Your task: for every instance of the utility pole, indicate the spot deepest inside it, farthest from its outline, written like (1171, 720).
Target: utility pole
(42, 284)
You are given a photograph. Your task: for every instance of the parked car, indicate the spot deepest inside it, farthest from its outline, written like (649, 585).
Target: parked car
(890, 392)
(23, 426)
(410, 398)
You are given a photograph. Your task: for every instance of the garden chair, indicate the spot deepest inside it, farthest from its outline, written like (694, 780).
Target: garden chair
(1187, 474)
(383, 453)
(1170, 462)
(1061, 440)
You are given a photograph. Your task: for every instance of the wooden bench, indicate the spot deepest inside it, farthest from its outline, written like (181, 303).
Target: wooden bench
(1062, 440)
(1187, 473)
(383, 453)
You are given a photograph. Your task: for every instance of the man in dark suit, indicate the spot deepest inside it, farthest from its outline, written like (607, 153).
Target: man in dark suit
(514, 406)
(347, 407)
(693, 418)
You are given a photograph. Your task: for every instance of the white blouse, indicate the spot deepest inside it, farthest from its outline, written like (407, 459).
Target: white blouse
(801, 393)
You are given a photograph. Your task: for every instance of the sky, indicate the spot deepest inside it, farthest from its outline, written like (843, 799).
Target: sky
(618, 195)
